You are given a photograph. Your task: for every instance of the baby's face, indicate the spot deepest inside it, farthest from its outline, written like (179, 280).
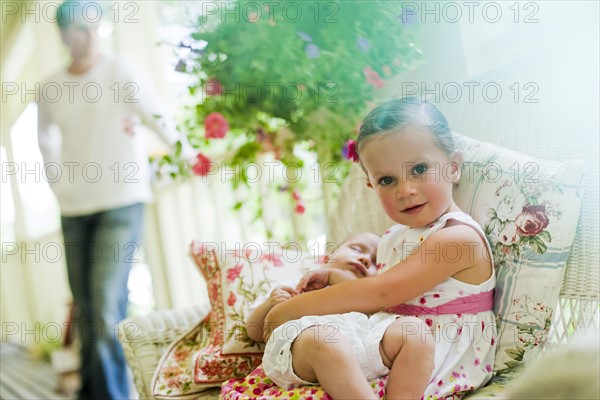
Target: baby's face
(357, 254)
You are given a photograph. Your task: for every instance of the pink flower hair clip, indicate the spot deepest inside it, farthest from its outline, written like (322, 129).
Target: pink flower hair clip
(349, 151)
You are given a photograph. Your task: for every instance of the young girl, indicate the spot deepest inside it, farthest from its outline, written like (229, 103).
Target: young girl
(435, 265)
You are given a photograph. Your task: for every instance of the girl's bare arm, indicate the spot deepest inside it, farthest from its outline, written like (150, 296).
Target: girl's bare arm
(430, 265)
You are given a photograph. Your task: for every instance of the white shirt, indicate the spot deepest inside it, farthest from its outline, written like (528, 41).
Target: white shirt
(95, 160)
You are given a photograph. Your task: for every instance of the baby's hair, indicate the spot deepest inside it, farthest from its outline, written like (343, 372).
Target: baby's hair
(395, 115)
(349, 238)
(354, 235)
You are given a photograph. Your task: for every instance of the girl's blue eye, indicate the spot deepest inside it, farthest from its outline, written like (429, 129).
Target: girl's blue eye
(419, 169)
(386, 180)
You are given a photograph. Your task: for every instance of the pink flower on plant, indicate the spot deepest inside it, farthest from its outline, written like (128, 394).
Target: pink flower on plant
(349, 151)
(213, 87)
(234, 272)
(532, 220)
(300, 209)
(373, 78)
(231, 299)
(215, 126)
(202, 166)
(296, 195)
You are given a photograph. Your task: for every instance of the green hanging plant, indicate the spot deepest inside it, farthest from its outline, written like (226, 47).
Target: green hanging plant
(268, 77)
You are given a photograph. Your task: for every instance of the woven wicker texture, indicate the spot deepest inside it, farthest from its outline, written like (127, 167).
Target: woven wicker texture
(144, 339)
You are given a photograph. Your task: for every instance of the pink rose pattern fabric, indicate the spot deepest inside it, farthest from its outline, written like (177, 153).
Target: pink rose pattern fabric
(174, 376)
(529, 210)
(235, 279)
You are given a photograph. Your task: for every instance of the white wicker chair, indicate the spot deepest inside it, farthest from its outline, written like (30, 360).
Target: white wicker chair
(541, 129)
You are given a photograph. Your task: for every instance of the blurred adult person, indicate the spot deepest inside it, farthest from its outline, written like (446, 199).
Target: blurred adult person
(97, 166)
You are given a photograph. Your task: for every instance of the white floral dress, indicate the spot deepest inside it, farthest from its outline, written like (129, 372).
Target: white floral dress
(465, 335)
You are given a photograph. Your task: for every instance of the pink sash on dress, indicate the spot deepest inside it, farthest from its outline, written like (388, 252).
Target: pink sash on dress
(472, 304)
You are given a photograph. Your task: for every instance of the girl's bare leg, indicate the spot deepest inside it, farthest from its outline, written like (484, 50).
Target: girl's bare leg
(408, 349)
(320, 356)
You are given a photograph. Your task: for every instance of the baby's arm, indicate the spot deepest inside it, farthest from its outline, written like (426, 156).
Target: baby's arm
(322, 277)
(255, 321)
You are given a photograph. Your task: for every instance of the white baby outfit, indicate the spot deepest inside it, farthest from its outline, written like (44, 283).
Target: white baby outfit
(465, 339)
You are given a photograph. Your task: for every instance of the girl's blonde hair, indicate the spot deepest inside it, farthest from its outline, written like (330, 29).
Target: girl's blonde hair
(395, 115)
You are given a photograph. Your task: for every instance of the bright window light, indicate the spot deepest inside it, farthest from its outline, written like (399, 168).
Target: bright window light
(7, 206)
(40, 208)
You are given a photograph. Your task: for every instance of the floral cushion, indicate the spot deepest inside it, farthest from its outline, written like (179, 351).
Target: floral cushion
(258, 386)
(528, 209)
(235, 279)
(174, 376)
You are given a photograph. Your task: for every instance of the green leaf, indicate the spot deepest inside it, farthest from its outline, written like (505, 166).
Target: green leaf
(545, 235)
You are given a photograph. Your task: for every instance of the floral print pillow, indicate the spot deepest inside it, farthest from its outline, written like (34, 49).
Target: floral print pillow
(528, 209)
(174, 376)
(235, 279)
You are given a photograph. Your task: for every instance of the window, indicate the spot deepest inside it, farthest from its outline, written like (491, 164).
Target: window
(41, 215)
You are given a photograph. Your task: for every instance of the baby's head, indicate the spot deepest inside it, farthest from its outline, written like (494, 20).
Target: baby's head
(408, 153)
(357, 254)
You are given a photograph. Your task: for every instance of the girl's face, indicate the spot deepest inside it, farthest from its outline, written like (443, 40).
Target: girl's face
(411, 175)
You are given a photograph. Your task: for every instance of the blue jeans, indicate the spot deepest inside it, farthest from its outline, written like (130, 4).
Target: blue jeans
(100, 249)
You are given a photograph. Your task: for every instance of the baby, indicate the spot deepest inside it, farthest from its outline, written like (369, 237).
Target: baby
(355, 258)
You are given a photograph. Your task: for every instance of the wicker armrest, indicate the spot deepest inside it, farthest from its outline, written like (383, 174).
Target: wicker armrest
(144, 339)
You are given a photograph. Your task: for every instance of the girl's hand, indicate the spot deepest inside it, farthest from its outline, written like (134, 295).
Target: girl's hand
(281, 294)
(314, 280)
